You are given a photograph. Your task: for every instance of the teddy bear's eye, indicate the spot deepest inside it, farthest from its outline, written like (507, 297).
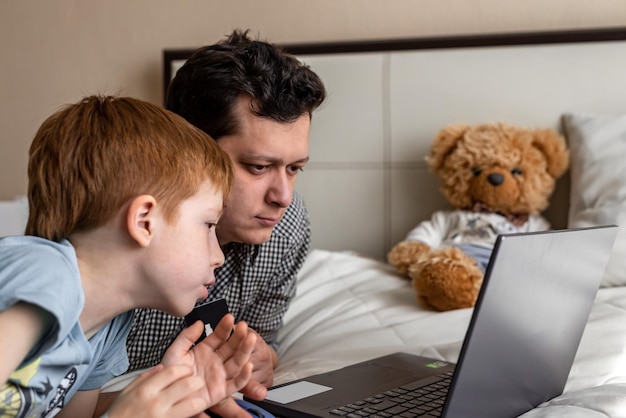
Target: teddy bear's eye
(476, 171)
(516, 172)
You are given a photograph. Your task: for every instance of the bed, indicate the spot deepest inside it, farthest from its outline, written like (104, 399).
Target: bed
(367, 185)
(351, 308)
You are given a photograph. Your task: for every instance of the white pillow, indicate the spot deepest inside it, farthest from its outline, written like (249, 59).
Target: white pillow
(13, 216)
(598, 181)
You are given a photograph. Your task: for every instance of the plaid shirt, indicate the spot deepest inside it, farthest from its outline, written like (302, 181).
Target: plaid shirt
(257, 281)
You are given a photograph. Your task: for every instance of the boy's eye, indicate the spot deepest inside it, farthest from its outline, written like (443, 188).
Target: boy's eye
(211, 225)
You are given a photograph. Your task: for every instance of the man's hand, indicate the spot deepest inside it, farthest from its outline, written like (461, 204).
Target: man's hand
(264, 360)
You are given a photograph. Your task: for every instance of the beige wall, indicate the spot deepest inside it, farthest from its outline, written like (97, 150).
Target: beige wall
(56, 51)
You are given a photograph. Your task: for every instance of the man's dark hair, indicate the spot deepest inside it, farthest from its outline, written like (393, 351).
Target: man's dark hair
(207, 87)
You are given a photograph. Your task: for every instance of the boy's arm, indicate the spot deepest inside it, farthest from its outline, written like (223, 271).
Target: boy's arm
(105, 400)
(82, 404)
(25, 324)
(161, 392)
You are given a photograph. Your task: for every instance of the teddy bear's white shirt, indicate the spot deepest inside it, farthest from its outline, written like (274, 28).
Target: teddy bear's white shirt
(456, 227)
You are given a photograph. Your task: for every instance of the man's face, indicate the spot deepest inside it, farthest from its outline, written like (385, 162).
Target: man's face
(267, 156)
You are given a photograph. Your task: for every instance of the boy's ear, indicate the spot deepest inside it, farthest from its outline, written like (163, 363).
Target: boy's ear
(141, 219)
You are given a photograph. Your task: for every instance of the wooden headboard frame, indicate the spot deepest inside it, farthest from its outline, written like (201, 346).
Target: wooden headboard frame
(173, 55)
(367, 184)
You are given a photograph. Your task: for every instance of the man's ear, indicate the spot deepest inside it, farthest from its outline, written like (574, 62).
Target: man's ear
(141, 219)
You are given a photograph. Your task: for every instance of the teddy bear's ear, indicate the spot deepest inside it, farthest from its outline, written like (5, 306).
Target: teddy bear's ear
(554, 148)
(444, 143)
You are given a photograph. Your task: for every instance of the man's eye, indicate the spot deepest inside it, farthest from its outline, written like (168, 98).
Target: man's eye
(294, 169)
(257, 168)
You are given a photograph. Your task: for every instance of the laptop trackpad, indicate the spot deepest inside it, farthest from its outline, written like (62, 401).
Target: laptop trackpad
(295, 392)
(366, 376)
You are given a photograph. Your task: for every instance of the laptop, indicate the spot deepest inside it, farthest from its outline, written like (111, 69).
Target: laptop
(523, 335)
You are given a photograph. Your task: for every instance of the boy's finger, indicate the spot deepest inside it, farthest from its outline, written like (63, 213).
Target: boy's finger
(221, 337)
(224, 327)
(239, 381)
(179, 349)
(228, 348)
(239, 356)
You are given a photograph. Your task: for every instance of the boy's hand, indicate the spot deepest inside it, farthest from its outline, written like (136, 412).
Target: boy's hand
(173, 391)
(262, 377)
(221, 359)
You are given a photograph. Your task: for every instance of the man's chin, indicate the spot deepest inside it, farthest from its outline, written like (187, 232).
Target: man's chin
(259, 238)
(255, 237)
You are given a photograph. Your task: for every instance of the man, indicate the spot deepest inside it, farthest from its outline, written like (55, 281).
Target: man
(256, 102)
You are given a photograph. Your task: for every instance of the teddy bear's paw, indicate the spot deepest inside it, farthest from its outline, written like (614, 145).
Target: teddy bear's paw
(453, 256)
(446, 284)
(405, 254)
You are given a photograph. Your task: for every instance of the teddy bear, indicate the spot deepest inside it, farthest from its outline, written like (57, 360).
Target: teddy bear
(498, 178)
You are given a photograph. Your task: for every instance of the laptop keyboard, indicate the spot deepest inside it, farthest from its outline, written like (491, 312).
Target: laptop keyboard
(417, 399)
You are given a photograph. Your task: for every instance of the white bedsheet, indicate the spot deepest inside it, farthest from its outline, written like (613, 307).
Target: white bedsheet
(350, 309)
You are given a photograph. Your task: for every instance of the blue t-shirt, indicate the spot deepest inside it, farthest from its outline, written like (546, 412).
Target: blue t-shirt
(45, 273)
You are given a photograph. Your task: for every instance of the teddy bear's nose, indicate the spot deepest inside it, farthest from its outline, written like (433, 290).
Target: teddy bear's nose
(495, 179)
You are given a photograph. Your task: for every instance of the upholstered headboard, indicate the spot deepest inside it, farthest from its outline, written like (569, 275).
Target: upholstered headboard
(367, 184)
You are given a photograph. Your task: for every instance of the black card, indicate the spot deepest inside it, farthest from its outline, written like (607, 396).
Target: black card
(210, 314)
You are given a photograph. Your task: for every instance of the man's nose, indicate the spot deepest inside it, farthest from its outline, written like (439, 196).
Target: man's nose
(281, 191)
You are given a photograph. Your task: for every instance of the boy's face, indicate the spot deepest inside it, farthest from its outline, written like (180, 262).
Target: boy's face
(267, 156)
(181, 270)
